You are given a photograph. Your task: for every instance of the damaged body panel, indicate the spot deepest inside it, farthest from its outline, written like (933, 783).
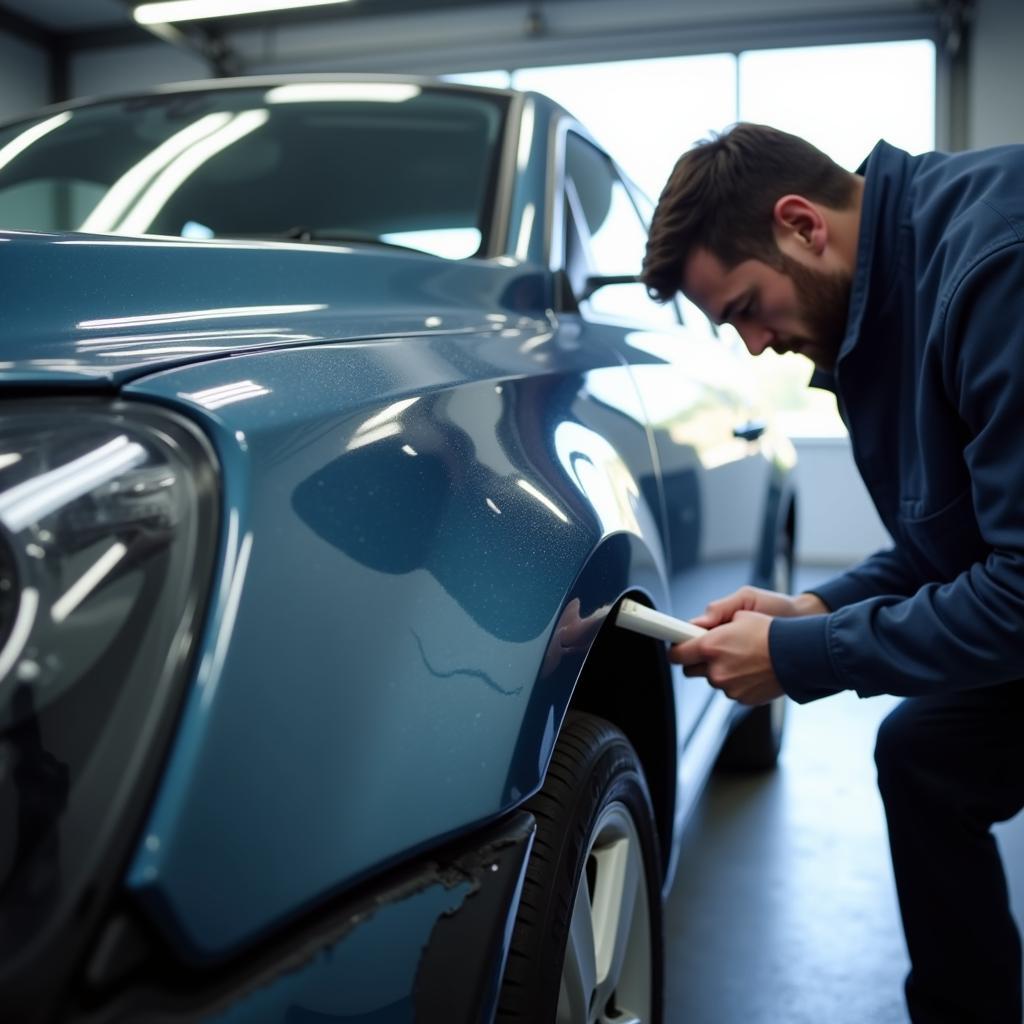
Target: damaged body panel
(427, 943)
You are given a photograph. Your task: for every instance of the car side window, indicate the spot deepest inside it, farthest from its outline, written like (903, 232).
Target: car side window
(612, 236)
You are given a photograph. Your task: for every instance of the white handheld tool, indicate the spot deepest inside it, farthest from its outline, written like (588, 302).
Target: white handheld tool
(641, 619)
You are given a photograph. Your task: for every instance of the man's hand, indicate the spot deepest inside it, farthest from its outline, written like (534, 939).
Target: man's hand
(734, 657)
(754, 599)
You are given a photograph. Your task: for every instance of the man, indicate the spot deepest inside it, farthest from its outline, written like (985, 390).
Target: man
(904, 283)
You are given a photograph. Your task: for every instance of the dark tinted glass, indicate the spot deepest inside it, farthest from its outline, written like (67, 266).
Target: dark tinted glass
(384, 162)
(613, 236)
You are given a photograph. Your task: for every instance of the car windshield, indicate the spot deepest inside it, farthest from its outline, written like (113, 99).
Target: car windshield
(382, 163)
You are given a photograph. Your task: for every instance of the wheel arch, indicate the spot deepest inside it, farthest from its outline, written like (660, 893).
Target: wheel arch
(626, 680)
(614, 674)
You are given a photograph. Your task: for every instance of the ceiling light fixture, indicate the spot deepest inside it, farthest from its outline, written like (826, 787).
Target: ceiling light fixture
(170, 11)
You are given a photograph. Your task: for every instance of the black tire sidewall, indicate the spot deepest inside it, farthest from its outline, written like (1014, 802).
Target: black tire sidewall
(592, 767)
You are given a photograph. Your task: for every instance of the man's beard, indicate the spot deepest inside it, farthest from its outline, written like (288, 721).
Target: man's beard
(824, 304)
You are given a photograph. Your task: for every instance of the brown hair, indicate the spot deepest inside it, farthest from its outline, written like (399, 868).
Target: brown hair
(721, 194)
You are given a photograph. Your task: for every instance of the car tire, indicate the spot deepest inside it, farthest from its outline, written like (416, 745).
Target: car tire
(754, 743)
(587, 944)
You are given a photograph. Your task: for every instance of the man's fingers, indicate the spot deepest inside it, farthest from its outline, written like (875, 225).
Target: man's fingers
(725, 608)
(716, 613)
(689, 653)
(746, 613)
(693, 656)
(746, 599)
(733, 657)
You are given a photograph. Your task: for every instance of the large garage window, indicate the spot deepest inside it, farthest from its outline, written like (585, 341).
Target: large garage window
(849, 109)
(841, 98)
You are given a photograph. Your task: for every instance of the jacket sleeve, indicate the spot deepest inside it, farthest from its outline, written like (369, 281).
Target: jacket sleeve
(885, 572)
(967, 632)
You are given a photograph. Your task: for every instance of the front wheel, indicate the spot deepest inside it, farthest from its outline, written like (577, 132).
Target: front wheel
(587, 945)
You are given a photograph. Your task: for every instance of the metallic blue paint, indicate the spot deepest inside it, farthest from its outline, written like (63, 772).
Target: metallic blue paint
(82, 310)
(426, 471)
(364, 980)
(442, 479)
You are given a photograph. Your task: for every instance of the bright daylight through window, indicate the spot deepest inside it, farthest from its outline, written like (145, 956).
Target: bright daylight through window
(648, 111)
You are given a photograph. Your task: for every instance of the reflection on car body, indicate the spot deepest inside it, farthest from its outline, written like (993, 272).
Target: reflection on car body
(335, 429)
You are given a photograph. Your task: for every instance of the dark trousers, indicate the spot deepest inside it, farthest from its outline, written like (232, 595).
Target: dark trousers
(949, 766)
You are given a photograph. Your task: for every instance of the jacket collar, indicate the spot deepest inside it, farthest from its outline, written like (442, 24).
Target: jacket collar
(887, 172)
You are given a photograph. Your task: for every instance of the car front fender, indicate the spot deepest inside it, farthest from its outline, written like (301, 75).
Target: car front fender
(406, 523)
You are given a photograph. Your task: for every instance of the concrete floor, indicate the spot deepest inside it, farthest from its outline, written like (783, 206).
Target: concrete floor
(783, 910)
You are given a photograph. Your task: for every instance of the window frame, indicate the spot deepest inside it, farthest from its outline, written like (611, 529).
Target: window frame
(565, 209)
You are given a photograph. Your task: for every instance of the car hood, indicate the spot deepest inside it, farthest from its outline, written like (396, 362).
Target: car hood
(83, 311)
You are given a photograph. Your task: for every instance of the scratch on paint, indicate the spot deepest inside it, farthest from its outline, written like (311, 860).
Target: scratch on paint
(472, 672)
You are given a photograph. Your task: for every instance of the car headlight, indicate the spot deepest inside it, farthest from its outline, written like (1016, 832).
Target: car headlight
(108, 532)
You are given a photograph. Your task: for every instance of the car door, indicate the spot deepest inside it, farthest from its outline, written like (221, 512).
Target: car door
(705, 436)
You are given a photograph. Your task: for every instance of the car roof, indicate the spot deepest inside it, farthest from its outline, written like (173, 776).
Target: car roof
(266, 82)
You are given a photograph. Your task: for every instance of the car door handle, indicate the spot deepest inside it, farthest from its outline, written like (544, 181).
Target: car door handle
(750, 431)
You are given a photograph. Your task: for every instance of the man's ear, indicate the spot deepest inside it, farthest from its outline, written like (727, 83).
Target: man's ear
(799, 221)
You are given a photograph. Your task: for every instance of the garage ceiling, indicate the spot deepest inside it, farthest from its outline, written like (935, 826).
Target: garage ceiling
(63, 17)
(72, 15)
(437, 36)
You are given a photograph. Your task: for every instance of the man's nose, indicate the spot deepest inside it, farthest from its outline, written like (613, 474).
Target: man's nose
(756, 338)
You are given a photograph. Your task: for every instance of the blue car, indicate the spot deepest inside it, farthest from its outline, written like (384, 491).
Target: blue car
(335, 428)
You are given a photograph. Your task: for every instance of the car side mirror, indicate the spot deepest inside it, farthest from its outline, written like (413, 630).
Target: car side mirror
(596, 283)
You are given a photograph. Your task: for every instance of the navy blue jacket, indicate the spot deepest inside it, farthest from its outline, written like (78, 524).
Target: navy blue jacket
(930, 381)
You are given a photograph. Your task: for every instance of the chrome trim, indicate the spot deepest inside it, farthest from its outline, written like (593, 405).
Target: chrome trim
(505, 186)
(554, 194)
(554, 223)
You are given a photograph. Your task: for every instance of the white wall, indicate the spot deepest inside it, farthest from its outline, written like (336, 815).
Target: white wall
(837, 524)
(995, 112)
(24, 77)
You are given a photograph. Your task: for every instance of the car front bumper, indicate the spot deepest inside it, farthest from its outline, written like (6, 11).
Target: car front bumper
(427, 942)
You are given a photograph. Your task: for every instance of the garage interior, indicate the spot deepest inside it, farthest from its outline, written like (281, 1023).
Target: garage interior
(783, 909)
